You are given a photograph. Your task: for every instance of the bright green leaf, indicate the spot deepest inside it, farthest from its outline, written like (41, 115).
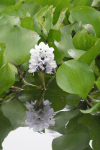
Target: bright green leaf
(18, 41)
(75, 77)
(91, 54)
(82, 3)
(66, 41)
(87, 15)
(84, 41)
(98, 83)
(27, 23)
(7, 2)
(2, 54)
(7, 77)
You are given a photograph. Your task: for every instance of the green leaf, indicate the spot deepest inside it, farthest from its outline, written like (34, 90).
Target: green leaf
(72, 124)
(88, 148)
(93, 123)
(31, 9)
(96, 71)
(86, 15)
(2, 54)
(78, 139)
(52, 36)
(60, 19)
(65, 46)
(13, 68)
(58, 56)
(61, 118)
(84, 41)
(82, 3)
(66, 41)
(91, 54)
(5, 127)
(15, 111)
(57, 3)
(94, 108)
(98, 83)
(56, 95)
(43, 21)
(89, 29)
(27, 23)
(12, 8)
(18, 41)
(75, 77)
(53, 93)
(95, 95)
(7, 77)
(73, 99)
(9, 21)
(6, 2)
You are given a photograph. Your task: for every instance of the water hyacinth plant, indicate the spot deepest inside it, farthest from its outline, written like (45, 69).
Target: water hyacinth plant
(50, 60)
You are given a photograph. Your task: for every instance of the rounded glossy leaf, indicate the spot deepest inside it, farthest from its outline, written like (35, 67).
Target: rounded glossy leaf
(91, 54)
(75, 77)
(84, 41)
(7, 77)
(18, 41)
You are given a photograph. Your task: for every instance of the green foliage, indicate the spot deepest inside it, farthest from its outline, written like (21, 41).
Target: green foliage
(12, 109)
(77, 139)
(43, 21)
(91, 54)
(86, 15)
(93, 123)
(60, 122)
(84, 41)
(82, 3)
(18, 41)
(5, 127)
(6, 82)
(72, 28)
(98, 83)
(27, 23)
(75, 75)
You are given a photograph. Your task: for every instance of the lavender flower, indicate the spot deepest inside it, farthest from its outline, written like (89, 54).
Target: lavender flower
(40, 119)
(42, 57)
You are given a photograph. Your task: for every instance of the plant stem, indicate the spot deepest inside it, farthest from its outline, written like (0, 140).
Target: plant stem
(26, 83)
(88, 103)
(50, 80)
(23, 80)
(42, 79)
(16, 88)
